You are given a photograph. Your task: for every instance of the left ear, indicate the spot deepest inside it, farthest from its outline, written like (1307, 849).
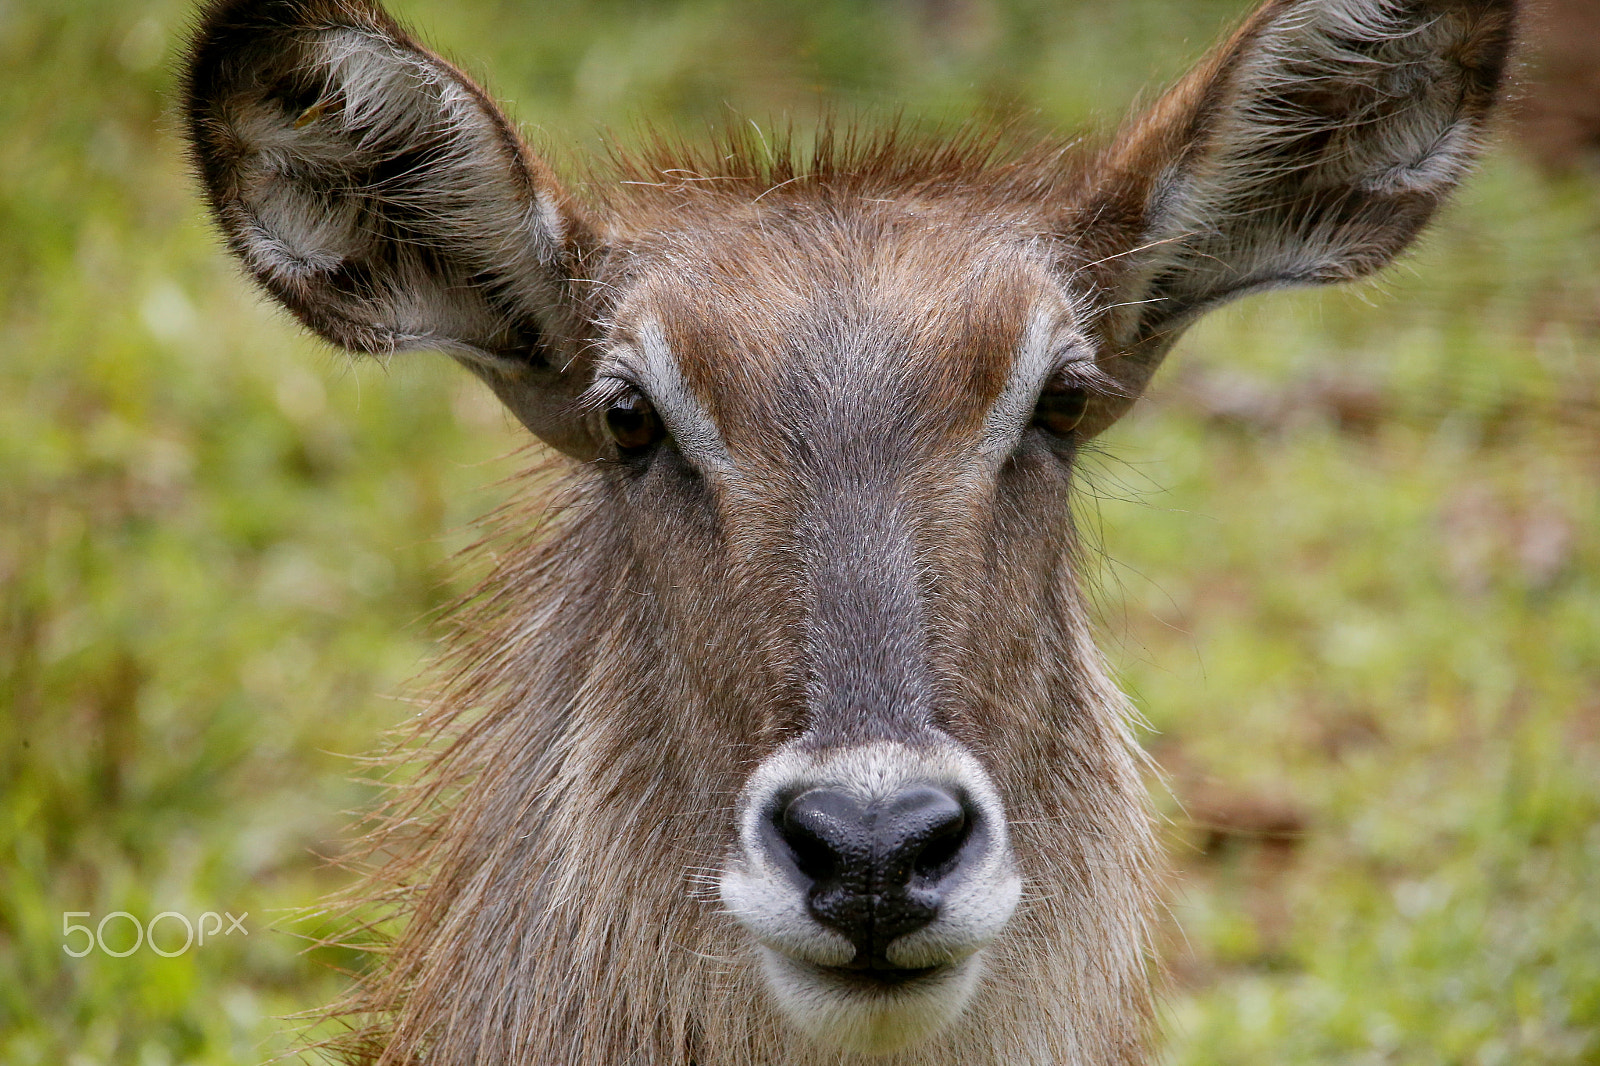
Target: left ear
(377, 193)
(1311, 147)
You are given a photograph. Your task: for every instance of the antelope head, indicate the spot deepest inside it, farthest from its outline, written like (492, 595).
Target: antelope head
(822, 415)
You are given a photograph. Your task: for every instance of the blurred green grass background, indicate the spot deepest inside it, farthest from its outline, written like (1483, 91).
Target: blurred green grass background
(1352, 549)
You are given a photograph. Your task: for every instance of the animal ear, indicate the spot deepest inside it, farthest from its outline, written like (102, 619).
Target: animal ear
(376, 192)
(1310, 147)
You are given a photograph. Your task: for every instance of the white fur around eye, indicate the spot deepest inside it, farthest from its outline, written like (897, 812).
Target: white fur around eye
(1048, 344)
(650, 365)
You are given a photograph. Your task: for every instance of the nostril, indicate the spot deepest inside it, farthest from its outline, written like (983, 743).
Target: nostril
(944, 843)
(921, 832)
(822, 828)
(812, 855)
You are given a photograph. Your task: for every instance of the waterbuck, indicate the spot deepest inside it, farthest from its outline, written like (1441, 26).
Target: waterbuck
(781, 736)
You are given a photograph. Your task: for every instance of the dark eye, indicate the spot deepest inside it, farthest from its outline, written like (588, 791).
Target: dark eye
(633, 423)
(1060, 408)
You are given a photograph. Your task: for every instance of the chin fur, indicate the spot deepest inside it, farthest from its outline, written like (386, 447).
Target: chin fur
(865, 1016)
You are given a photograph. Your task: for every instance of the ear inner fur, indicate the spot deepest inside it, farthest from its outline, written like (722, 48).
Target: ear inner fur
(377, 193)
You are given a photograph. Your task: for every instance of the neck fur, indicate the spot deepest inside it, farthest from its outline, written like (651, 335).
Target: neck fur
(557, 860)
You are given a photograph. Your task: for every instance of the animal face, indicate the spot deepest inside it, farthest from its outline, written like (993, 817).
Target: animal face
(850, 457)
(820, 419)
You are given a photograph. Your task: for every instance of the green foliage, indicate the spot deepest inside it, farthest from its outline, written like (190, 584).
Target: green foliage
(1361, 567)
(1355, 576)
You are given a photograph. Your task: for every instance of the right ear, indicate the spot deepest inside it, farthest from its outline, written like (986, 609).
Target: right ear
(376, 192)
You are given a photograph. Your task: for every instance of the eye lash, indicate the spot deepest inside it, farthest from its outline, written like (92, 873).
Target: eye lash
(603, 392)
(1086, 374)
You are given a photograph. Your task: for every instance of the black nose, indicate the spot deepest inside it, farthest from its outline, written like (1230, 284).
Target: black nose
(875, 870)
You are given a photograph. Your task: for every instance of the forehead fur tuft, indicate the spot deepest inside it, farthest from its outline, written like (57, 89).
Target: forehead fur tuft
(987, 161)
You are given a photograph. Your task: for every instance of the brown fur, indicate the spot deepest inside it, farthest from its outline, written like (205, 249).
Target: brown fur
(847, 316)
